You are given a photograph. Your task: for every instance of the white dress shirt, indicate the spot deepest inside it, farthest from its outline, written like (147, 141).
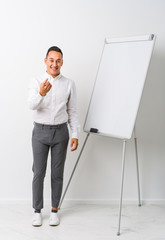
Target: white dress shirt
(58, 106)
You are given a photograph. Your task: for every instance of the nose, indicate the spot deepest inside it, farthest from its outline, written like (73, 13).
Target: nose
(54, 63)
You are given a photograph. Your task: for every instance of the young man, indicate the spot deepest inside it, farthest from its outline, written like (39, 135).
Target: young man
(53, 99)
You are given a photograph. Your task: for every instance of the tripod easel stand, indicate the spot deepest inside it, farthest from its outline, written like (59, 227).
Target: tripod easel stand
(122, 174)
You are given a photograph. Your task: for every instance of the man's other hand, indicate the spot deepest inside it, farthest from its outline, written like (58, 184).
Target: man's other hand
(45, 87)
(74, 144)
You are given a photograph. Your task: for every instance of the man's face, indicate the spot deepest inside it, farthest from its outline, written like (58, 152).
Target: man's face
(54, 63)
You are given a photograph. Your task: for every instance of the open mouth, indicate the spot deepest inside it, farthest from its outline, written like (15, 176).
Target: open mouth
(54, 69)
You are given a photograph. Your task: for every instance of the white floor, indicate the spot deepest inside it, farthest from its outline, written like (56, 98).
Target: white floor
(84, 222)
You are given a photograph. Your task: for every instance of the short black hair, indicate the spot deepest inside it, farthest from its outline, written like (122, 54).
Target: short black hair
(54, 48)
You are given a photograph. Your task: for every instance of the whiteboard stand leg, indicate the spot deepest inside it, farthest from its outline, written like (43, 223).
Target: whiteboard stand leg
(73, 171)
(137, 168)
(122, 181)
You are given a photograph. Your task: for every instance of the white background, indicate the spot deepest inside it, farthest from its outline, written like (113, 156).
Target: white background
(27, 30)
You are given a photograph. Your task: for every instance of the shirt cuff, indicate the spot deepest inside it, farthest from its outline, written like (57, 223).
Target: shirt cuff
(74, 135)
(39, 96)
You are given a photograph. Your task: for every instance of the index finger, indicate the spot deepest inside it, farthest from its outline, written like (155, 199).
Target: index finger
(46, 81)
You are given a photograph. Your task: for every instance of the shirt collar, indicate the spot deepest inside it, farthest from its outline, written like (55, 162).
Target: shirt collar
(51, 79)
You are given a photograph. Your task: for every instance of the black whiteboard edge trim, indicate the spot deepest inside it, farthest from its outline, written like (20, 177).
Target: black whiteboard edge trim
(149, 37)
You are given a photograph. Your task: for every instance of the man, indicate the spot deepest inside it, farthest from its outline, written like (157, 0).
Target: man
(53, 99)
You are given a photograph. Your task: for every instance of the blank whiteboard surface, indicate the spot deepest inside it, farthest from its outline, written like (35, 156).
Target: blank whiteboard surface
(118, 87)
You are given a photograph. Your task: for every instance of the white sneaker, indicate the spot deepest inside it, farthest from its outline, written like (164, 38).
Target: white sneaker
(54, 219)
(37, 220)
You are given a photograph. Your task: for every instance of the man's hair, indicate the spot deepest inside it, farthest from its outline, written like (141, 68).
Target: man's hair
(54, 48)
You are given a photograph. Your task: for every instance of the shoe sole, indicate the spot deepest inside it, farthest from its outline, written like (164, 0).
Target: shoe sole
(53, 225)
(36, 225)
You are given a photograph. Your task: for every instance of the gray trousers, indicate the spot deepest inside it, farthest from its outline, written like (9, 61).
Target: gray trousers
(45, 137)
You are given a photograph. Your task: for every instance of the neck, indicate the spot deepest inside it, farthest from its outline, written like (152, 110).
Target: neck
(53, 75)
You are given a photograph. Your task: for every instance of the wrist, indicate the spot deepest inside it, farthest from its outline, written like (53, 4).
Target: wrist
(42, 94)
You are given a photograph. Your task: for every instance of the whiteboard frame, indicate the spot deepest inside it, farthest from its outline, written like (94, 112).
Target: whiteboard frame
(150, 37)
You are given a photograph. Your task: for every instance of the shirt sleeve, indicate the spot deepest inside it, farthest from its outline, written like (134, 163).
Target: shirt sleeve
(34, 97)
(72, 112)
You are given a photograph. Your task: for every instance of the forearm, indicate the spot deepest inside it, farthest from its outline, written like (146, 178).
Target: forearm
(72, 112)
(37, 92)
(73, 123)
(35, 100)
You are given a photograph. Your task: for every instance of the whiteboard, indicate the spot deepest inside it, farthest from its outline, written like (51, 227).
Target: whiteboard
(118, 87)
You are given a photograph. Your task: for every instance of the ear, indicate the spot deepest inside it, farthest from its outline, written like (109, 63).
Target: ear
(45, 60)
(62, 63)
